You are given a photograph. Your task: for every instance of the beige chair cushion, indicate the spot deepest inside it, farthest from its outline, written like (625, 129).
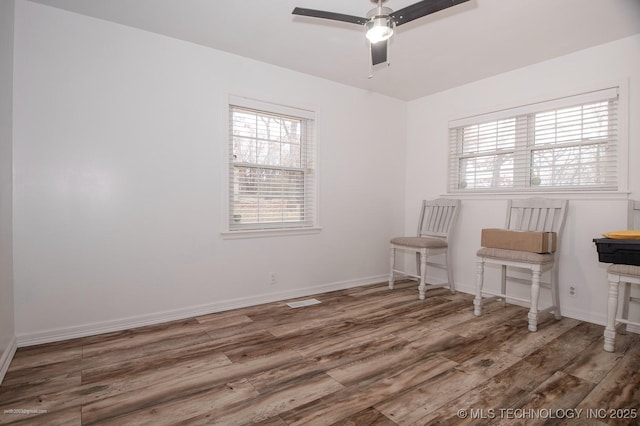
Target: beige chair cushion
(624, 269)
(419, 242)
(515, 255)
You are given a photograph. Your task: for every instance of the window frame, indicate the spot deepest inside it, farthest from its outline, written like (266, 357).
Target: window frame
(309, 169)
(526, 113)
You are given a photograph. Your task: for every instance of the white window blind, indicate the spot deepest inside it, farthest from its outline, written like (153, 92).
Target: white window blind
(271, 166)
(563, 144)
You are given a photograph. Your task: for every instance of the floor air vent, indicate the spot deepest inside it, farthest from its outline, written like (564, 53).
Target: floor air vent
(302, 303)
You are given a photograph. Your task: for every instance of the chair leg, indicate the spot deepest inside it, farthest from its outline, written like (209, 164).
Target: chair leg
(626, 293)
(477, 302)
(555, 293)
(423, 275)
(503, 284)
(535, 294)
(452, 286)
(612, 308)
(392, 265)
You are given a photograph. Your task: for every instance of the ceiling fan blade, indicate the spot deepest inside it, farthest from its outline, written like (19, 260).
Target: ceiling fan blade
(329, 15)
(422, 8)
(379, 52)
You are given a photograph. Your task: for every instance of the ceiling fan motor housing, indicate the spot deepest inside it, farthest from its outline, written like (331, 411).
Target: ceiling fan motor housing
(379, 12)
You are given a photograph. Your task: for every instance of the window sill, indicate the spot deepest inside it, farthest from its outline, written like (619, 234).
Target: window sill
(266, 233)
(574, 195)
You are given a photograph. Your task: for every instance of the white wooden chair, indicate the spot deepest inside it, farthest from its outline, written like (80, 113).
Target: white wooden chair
(435, 227)
(533, 214)
(625, 275)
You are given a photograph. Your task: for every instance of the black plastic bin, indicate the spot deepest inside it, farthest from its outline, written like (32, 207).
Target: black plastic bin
(622, 252)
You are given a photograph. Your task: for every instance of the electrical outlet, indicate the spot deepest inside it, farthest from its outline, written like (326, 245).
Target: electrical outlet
(572, 291)
(273, 278)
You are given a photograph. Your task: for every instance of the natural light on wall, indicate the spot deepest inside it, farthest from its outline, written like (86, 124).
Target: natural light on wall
(564, 144)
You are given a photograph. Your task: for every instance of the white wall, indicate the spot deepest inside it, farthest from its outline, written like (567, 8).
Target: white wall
(7, 334)
(426, 171)
(119, 136)
(118, 164)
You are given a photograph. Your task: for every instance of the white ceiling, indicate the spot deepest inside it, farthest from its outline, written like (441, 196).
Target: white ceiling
(455, 46)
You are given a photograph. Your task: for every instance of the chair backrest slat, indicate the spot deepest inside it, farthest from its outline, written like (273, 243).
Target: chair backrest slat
(531, 218)
(551, 215)
(438, 217)
(634, 214)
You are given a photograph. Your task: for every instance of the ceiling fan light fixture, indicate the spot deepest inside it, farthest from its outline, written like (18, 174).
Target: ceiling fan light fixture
(379, 28)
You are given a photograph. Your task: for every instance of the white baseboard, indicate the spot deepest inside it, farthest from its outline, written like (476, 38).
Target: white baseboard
(633, 329)
(54, 335)
(7, 356)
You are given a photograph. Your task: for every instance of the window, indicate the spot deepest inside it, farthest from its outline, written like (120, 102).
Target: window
(564, 144)
(271, 167)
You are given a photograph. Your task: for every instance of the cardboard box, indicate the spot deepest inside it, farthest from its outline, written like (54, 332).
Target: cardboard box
(532, 241)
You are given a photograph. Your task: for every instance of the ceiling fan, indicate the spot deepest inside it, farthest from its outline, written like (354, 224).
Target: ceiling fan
(380, 21)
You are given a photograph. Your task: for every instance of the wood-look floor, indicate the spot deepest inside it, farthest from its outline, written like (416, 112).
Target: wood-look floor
(364, 356)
